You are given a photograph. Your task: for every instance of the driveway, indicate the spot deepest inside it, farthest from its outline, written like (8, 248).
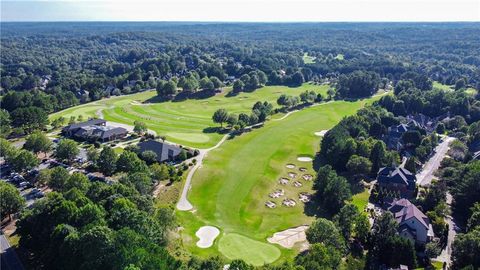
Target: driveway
(446, 254)
(425, 176)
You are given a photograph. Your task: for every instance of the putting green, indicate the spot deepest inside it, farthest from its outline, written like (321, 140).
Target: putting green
(187, 122)
(231, 188)
(236, 246)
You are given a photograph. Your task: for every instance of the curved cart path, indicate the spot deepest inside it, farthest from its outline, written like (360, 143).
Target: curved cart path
(183, 203)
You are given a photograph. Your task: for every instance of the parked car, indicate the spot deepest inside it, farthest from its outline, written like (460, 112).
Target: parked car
(24, 185)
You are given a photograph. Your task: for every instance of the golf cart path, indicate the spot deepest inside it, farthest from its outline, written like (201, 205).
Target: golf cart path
(183, 203)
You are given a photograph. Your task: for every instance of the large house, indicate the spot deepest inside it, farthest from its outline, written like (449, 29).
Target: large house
(164, 151)
(94, 130)
(412, 223)
(398, 180)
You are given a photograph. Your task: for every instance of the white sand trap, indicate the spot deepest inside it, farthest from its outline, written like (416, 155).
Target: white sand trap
(321, 133)
(289, 237)
(207, 235)
(304, 159)
(290, 166)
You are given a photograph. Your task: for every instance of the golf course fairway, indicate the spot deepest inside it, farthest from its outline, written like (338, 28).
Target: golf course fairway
(230, 190)
(188, 122)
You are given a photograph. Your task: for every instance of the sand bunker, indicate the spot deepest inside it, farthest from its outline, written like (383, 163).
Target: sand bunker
(292, 175)
(307, 177)
(289, 202)
(290, 166)
(304, 159)
(297, 184)
(283, 181)
(321, 133)
(207, 235)
(270, 204)
(302, 169)
(277, 193)
(289, 237)
(304, 197)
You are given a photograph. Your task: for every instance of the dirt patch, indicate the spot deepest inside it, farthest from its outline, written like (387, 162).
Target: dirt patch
(288, 238)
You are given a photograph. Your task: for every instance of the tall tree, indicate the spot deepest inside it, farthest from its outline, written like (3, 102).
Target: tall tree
(67, 150)
(107, 161)
(38, 142)
(11, 201)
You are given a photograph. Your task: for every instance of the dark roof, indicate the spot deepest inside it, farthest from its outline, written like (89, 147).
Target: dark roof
(396, 175)
(91, 122)
(404, 210)
(164, 151)
(101, 132)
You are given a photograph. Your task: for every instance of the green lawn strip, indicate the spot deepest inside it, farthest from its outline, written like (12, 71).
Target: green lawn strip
(308, 59)
(443, 87)
(360, 200)
(231, 188)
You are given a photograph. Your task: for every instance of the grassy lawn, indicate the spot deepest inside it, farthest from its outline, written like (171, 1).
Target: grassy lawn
(308, 59)
(360, 200)
(185, 122)
(443, 87)
(230, 190)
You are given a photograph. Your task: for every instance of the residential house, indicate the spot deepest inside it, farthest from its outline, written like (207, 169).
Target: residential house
(412, 223)
(397, 180)
(423, 122)
(164, 151)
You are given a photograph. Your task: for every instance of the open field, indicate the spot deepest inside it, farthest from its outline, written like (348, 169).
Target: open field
(231, 188)
(185, 122)
(449, 88)
(308, 59)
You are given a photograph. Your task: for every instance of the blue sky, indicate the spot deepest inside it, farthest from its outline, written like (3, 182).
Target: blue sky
(240, 10)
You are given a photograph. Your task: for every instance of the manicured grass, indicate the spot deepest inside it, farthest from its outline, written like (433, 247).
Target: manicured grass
(471, 91)
(443, 87)
(187, 122)
(308, 59)
(231, 188)
(360, 200)
(236, 246)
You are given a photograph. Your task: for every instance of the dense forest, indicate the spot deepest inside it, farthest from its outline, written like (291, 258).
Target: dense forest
(83, 224)
(55, 66)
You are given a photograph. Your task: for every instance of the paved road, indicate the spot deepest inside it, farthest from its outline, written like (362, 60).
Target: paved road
(424, 178)
(183, 203)
(9, 259)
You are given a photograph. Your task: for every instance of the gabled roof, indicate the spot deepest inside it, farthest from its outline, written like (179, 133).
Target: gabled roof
(91, 122)
(396, 175)
(404, 210)
(162, 149)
